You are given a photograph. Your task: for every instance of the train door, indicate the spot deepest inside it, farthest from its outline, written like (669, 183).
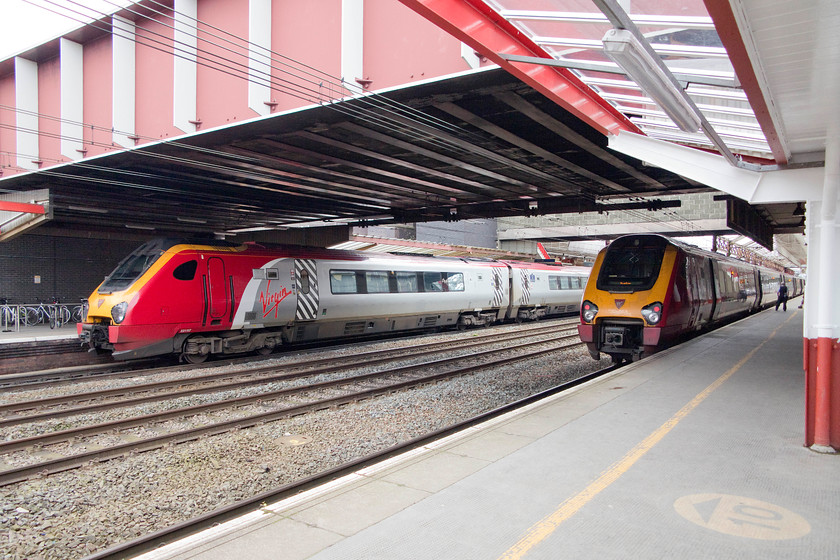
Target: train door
(217, 291)
(306, 284)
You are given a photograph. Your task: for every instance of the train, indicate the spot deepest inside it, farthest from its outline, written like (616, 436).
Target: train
(199, 298)
(647, 291)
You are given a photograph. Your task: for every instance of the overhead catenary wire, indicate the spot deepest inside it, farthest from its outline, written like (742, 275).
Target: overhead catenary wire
(313, 93)
(425, 135)
(242, 71)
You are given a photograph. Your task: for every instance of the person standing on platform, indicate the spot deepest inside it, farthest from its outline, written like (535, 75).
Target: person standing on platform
(783, 297)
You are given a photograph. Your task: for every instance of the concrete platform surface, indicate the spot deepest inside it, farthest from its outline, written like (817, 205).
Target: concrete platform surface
(693, 453)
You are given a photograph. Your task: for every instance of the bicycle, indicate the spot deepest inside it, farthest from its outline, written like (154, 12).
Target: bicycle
(64, 314)
(9, 315)
(43, 313)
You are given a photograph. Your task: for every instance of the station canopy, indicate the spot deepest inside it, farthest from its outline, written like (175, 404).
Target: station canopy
(480, 144)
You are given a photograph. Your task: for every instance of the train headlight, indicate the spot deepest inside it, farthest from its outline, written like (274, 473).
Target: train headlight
(118, 312)
(588, 310)
(652, 313)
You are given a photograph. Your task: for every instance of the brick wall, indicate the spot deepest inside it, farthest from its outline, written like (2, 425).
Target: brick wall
(38, 267)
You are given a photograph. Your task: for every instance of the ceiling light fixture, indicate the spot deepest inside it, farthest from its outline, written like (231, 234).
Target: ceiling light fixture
(623, 48)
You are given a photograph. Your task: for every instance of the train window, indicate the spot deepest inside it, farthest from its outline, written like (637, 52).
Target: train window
(454, 281)
(343, 282)
(565, 283)
(185, 271)
(432, 282)
(377, 282)
(553, 282)
(406, 282)
(632, 263)
(303, 281)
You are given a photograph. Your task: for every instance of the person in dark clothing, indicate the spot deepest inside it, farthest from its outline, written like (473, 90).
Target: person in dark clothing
(783, 297)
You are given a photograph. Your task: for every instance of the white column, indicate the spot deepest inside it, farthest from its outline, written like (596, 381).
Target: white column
(72, 98)
(352, 42)
(26, 99)
(186, 42)
(123, 68)
(259, 57)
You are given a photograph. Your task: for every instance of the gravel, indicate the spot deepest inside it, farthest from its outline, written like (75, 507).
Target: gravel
(78, 512)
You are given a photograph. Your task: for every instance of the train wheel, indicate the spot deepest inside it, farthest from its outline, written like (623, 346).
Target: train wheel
(194, 358)
(264, 350)
(195, 352)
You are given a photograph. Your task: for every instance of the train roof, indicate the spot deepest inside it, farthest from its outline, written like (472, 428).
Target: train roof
(693, 249)
(160, 245)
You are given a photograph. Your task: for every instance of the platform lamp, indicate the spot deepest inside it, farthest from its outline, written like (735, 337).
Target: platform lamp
(623, 48)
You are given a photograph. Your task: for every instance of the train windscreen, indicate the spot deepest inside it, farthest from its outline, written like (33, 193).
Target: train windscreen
(632, 264)
(134, 265)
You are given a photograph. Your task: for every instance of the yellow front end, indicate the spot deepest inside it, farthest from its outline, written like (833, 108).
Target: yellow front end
(624, 318)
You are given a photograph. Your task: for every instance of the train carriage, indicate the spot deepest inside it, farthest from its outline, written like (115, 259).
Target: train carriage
(646, 291)
(214, 297)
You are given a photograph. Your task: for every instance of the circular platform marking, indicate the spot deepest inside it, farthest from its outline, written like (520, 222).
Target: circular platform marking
(742, 517)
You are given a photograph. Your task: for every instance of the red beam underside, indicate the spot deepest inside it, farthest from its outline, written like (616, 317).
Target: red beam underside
(730, 35)
(6, 206)
(483, 29)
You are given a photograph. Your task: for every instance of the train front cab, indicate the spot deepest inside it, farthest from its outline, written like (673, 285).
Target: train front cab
(623, 303)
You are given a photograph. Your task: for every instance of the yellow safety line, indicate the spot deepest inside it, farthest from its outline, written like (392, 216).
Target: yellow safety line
(538, 532)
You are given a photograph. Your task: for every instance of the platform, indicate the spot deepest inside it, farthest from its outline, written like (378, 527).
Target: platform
(693, 453)
(38, 333)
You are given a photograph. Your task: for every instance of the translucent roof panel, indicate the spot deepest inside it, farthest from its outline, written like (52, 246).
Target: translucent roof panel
(680, 32)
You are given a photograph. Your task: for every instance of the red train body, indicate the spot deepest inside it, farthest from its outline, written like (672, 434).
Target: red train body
(646, 291)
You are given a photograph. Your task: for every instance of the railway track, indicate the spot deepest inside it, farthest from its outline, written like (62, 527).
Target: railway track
(34, 379)
(99, 441)
(191, 526)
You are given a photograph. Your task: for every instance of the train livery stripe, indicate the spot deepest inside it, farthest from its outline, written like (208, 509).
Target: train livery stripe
(307, 306)
(526, 287)
(498, 288)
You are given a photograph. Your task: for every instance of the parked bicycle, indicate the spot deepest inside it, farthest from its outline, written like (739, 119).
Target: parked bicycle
(55, 314)
(9, 315)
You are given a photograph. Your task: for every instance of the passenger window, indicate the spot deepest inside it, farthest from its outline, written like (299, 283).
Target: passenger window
(432, 282)
(377, 282)
(343, 282)
(185, 271)
(406, 282)
(455, 281)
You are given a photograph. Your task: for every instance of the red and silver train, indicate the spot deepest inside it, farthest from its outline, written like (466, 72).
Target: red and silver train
(199, 298)
(646, 291)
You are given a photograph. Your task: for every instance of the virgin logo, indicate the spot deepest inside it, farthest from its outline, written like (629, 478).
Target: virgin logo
(619, 303)
(270, 300)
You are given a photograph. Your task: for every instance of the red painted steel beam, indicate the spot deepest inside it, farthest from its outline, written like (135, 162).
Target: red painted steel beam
(489, 34)
(25, 207)
(727, 28)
